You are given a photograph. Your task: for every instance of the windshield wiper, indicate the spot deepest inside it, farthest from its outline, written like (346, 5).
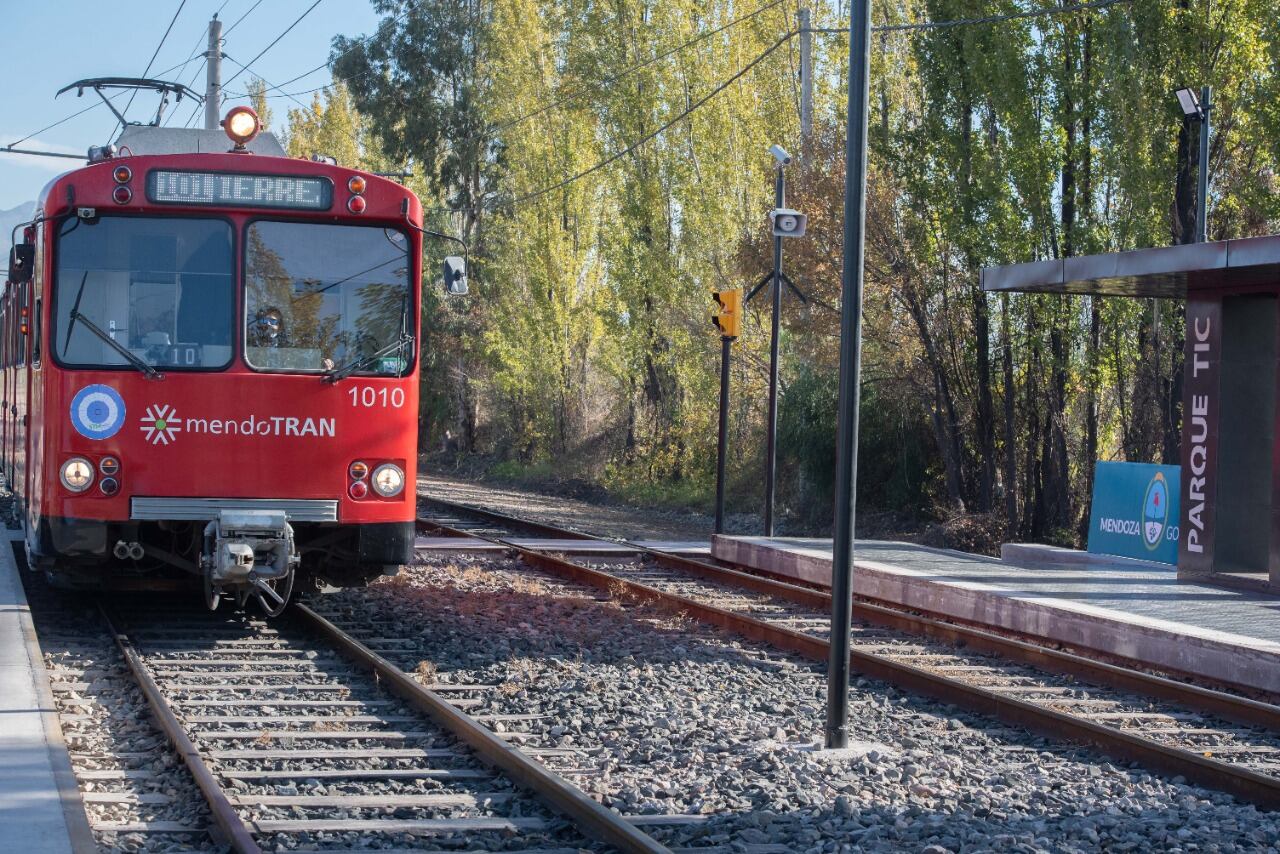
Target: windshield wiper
(142, 366)
(332, 376)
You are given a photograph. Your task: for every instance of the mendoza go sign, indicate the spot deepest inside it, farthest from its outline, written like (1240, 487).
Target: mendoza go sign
(1135, 511)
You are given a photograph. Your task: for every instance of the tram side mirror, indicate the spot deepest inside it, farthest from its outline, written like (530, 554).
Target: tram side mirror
(455, 276)
(22, 259)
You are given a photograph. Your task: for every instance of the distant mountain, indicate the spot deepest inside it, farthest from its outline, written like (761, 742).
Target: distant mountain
(10, 218)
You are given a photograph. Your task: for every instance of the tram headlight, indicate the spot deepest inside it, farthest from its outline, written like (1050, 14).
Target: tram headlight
(388, 480)
(241, 125)
(76, 474)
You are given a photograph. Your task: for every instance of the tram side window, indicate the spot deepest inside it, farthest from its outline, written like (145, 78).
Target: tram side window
(159, 288)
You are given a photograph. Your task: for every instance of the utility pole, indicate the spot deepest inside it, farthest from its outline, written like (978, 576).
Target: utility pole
(213, 76)
(771, 450)
(806, 84)
(855, 194)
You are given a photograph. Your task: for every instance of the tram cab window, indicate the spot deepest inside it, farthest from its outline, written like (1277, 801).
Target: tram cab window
(319, 297)
(160, 288)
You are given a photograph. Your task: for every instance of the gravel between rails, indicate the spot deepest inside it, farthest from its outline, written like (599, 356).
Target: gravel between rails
(115, 747)
(677, 718)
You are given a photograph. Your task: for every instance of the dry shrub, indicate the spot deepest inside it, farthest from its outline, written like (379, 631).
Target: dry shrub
(426, 672)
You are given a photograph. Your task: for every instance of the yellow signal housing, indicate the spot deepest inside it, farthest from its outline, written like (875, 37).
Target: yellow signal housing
(728, 317)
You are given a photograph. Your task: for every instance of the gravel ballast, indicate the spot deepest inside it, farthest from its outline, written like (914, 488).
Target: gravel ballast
(677, 718)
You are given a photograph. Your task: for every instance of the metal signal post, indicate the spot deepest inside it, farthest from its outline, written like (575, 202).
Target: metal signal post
(728, 319)
(855, 192)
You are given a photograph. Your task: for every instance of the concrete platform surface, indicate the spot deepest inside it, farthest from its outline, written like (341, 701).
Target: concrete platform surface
(1140, 613)
(34, 771)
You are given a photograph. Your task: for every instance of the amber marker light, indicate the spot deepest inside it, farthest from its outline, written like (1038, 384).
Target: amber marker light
(357, 184)
(241, 125)
(122, 174)
(358, 470)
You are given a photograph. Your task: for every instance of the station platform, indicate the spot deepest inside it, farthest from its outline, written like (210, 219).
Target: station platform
(1137, 611)
(40, 808)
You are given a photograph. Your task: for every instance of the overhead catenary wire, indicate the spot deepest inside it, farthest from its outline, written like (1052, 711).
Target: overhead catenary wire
(319, 67)
(613, 78)
(241, 18)
(988, 19)
(244, 68)
(616, 156)
(273, 43)
(163, 39)
(95, 105)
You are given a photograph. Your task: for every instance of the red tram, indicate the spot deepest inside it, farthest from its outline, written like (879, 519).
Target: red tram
(210, 371)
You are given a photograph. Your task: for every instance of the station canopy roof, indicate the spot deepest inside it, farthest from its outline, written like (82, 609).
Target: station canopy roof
(1167, 271)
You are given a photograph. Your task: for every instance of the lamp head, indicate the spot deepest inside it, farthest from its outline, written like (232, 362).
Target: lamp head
(1189, 101)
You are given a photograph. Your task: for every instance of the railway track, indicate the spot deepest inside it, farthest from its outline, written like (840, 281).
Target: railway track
(298, 736)
(1212, 738)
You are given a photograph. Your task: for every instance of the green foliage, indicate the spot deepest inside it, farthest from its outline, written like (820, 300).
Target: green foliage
(586, 345)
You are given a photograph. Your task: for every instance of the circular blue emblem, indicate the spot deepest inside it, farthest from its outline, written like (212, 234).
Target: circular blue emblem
(97, 412)
(1155, 511)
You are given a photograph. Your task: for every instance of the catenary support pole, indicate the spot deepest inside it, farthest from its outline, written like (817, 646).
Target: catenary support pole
(855, 192)
(213, 76)
(726, 348)
(1202, 193)
(771, 445)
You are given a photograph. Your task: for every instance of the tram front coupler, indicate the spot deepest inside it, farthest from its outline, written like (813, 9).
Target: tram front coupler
(249, 553)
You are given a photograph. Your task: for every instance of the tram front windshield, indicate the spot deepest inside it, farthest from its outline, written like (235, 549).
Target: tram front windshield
(323, 297)
(161, 290)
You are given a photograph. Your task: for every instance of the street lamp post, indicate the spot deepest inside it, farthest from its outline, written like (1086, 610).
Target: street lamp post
(1198, 108)
(771, 440)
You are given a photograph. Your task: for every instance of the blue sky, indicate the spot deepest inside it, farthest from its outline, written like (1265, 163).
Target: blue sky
(50, 44)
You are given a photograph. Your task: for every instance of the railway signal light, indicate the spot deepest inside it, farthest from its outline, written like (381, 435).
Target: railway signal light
(728, 317)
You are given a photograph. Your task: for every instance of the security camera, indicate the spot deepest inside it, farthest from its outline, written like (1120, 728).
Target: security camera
(780, 154)
(787, 223)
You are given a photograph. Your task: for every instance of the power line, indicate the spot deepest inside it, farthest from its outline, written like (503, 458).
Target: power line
(151, 62)
(244, 68)
(323, 66)
(990, 19)
(274, 41)
(61, 121)
(241, 18)
(626, 71)
(613, 158)
(95, 105)
(195, 51)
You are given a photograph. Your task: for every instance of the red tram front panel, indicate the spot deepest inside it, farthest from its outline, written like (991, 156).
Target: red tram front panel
(212, 331)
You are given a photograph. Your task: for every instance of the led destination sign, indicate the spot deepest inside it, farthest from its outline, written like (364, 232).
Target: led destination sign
(232, 190)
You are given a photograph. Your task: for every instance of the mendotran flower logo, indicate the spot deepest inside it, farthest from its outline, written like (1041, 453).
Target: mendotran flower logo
(161, 424)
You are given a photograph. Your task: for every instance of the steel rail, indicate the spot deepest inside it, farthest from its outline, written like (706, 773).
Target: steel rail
(1242, 783)
(234, 832)
(588, 814)
(1230, 707)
